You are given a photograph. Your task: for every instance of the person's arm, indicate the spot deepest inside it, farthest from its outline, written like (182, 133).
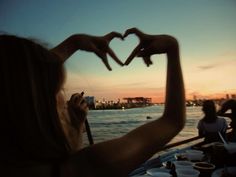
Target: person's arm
(223, 110)
(228, 105)
(200, 128)
(96, 44)
(118, 157)
(225, 127)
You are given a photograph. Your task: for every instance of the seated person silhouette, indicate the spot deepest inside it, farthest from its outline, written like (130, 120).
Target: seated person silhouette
(210, 124)
(230, 105)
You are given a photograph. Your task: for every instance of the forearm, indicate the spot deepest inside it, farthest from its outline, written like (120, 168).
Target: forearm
(66, 48)
(150, 138)
(225, 114)
(175, 94)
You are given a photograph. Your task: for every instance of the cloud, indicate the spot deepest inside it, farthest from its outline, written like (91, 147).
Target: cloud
(217, 64)
(207, 67)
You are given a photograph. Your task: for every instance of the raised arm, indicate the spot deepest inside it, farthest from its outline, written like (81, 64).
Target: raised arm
(118, 157)
(228, 105)
(96, 44)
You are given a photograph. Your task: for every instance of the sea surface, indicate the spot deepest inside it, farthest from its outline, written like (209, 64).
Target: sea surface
(109, 124)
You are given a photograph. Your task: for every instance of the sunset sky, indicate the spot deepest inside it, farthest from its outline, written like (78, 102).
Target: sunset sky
(205, 29)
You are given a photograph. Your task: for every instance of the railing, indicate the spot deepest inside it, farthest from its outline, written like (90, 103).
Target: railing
(168, 146)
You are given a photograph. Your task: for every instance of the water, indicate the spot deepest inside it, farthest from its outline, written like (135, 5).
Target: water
(109, 124)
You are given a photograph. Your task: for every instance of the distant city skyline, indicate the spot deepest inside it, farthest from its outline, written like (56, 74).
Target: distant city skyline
(194, 98)
(206, 31)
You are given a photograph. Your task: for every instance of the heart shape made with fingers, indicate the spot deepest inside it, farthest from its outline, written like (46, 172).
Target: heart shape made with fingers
(125, 47)
(144, 48)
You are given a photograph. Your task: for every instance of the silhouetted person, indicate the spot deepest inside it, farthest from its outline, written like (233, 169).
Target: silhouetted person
(210, 124)
(39, 130)
(230, 105)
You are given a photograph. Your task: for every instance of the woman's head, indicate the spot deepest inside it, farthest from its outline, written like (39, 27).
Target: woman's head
(209, 110)
(31, 60)
(31, 76)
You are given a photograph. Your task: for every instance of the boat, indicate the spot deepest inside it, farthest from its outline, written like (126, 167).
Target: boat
(169, 153)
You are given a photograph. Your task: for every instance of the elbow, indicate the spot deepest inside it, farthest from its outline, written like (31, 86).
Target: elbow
(177, 127)
(180, 124)
(173, 44)
(176, 123)
(176, 118)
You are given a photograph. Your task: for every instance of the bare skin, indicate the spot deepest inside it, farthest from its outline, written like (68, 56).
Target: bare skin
(72, 116)
(96, 44)
(230, 105)
(118, 157)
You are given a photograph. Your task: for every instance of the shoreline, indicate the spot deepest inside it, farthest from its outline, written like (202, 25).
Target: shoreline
(120, 106)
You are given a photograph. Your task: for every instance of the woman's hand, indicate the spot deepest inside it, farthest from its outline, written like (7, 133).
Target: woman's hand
(100, 46)
(78, 109)
(149, 45)
(96, 44)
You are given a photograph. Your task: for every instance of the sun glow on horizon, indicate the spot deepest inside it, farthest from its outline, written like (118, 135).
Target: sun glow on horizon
(206, 31)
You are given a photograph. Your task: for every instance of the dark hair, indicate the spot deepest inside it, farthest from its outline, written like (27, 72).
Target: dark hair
(31, 76)
(209, 110)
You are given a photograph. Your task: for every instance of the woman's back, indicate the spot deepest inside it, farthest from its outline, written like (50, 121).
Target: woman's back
(210, 125)
(210, 130)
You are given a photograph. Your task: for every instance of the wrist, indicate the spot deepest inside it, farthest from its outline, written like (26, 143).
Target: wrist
(74, 42)
(173, 47)
(79, 42)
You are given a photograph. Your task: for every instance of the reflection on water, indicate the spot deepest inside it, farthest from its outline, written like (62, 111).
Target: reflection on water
(108, 124)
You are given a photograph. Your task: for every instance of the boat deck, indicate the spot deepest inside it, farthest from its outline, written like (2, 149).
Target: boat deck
(168, 154)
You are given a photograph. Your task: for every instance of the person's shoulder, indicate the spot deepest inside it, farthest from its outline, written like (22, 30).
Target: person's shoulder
(221, 120)
(200, 122)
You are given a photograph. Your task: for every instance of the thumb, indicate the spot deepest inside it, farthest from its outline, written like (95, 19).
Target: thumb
(147, 52)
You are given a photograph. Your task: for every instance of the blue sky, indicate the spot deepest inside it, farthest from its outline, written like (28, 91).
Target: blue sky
(205, 29)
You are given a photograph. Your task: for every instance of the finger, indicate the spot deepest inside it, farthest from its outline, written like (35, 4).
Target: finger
(76, 99)
(73, 116)
(113, 55)
(147, 60)
(133, 54)
(113, 35)
(147, 52)
(103, 56)
(135, 31)
(73, 95)
(72, 98)
(78, 111)
(71, 111)
(104, 59)
(130, 31)
(84, 107)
